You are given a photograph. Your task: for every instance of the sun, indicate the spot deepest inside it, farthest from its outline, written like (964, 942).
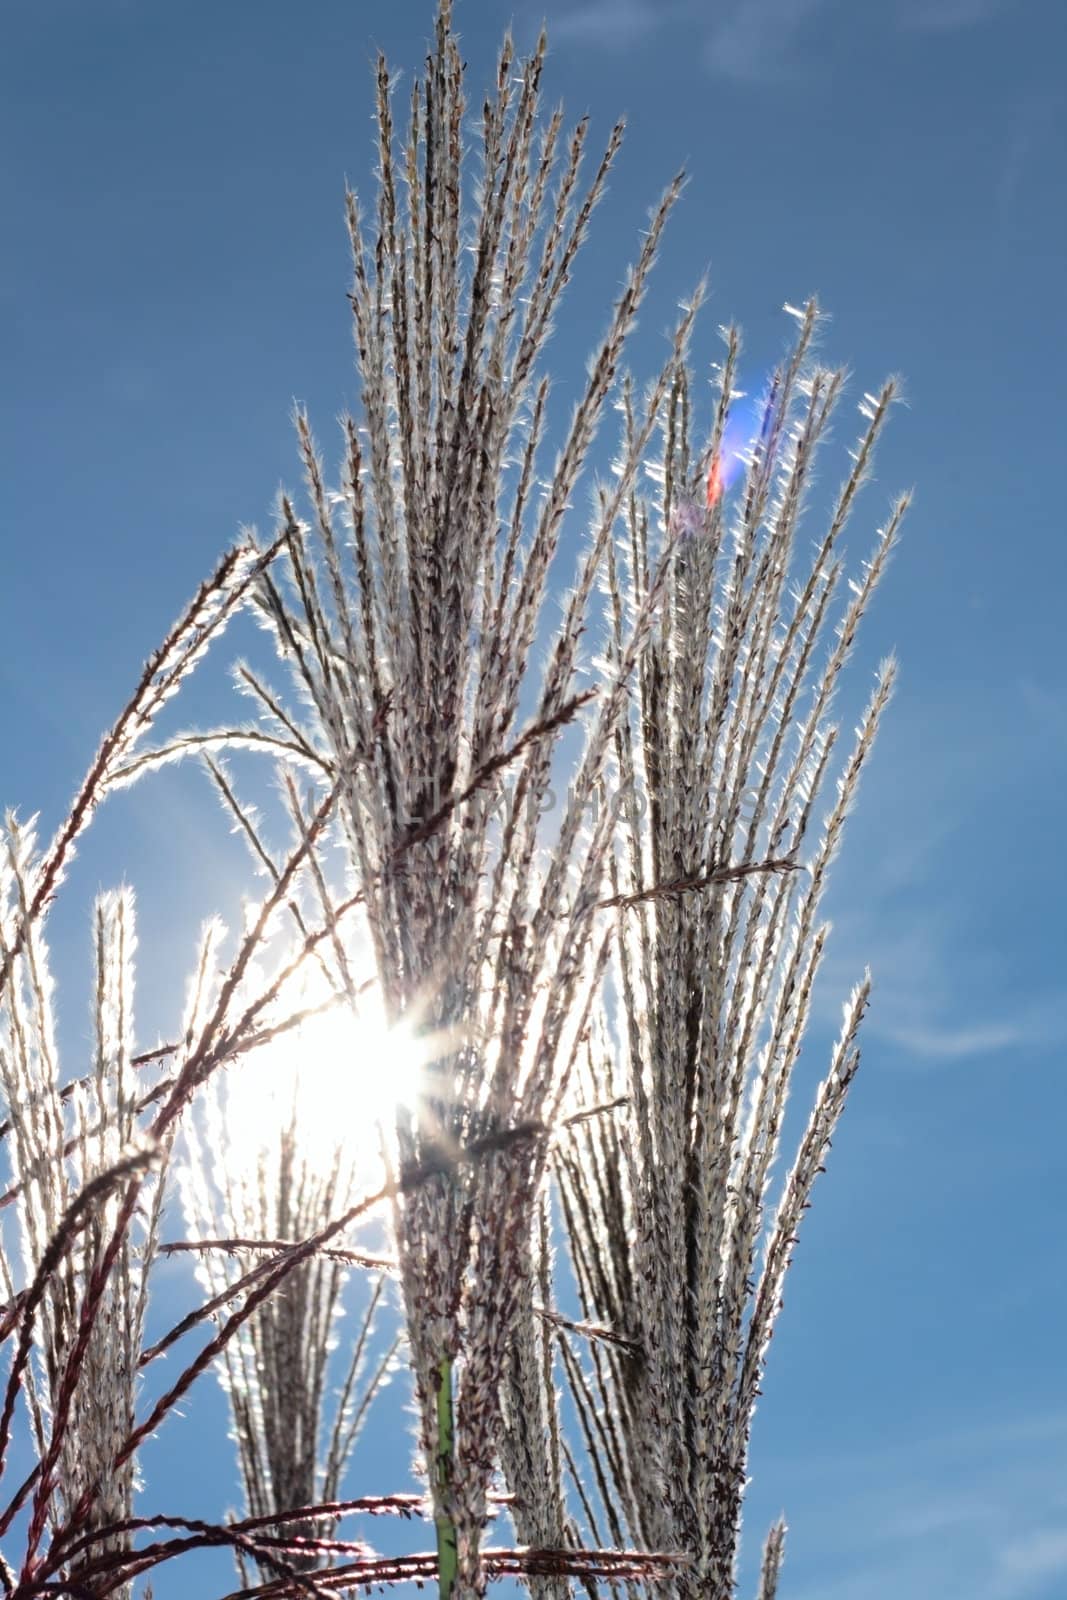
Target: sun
(334, 1083)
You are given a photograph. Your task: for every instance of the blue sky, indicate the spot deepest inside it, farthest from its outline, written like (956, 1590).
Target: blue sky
(174, 275)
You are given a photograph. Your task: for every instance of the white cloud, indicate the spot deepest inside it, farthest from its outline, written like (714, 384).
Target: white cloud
(612, 24)
(947, 1043)
(755, 41)
(748, 41)
(935, 996)
(975, 1510)
(944, 15)
(1033, 1558)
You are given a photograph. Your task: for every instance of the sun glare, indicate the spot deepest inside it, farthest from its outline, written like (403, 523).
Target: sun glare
(337, 1079)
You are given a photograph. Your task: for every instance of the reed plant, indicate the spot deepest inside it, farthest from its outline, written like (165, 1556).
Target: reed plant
(259, 1174)
(715, 890)
(605, 995)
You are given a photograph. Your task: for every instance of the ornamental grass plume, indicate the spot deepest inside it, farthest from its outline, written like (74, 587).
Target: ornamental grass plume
(81, 1165)
(262, 1171)
(83, 1160)
(72, 1154)
(720, 768)
(415, 605)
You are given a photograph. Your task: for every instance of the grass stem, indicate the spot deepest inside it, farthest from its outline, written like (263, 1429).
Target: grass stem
(447, 1554)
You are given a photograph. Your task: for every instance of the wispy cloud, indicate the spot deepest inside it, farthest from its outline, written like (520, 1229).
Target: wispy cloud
(977, 1511)
(945, 1042)
(917, 888)
(1030, 129)
(942, 16)
(757, 41)
(928, 988)
(612, 24)
(1031, 1559)
(1046, 705)
(752, 41)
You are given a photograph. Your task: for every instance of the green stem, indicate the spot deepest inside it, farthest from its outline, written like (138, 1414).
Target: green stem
(447, 1555)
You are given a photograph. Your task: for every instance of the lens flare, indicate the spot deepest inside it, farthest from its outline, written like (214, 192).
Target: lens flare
(334, 1083)
(714, 482)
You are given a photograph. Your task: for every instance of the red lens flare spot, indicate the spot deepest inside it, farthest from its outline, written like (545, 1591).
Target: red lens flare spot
(714, 482)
